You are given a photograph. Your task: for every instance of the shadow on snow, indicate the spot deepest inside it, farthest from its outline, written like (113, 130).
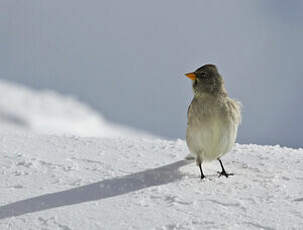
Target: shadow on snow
(96, 191)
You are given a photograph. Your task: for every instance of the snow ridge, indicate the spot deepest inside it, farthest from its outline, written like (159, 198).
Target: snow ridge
(48, 112)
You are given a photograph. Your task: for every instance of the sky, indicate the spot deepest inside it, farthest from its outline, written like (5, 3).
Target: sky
(127, 59)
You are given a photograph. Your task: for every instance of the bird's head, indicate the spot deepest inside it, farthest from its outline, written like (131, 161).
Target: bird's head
(207, 80)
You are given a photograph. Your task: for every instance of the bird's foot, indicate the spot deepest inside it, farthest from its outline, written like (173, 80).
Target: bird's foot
(224, 173)
(202, 177)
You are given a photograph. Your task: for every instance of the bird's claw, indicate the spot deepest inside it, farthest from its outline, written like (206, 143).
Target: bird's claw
(223, 173)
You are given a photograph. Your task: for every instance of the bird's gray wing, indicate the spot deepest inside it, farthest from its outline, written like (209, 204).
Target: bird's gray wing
(188, 109)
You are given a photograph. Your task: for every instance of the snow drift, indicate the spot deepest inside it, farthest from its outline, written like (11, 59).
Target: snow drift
(48, 112)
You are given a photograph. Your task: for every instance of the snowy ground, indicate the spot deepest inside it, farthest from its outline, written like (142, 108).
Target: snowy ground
(64, 181)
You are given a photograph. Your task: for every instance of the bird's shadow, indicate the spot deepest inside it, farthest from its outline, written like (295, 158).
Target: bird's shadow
(96, 191)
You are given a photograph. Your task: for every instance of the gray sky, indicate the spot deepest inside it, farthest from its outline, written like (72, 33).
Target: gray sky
(127, 58)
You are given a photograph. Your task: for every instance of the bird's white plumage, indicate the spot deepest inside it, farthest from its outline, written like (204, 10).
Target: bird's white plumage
(212, 130)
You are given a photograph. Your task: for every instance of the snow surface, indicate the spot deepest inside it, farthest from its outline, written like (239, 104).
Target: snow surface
(55, 181)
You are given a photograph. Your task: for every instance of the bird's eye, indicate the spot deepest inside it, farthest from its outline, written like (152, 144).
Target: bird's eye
(203, 74)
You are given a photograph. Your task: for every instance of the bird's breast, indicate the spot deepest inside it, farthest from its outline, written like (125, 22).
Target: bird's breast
(210, 133)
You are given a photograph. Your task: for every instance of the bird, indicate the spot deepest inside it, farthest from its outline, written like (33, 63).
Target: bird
(212, 118)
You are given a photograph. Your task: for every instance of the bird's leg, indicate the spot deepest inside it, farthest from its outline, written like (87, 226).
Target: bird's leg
(223, 172)
(199, 163)
(202, 175)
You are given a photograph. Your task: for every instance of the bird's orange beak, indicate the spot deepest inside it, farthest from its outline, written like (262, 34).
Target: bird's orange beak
(191, 76)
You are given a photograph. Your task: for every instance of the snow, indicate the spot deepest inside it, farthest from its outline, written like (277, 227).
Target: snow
(53, 179)
(48, 112)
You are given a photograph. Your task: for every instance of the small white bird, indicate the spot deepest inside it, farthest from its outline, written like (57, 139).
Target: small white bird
(213, 118)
